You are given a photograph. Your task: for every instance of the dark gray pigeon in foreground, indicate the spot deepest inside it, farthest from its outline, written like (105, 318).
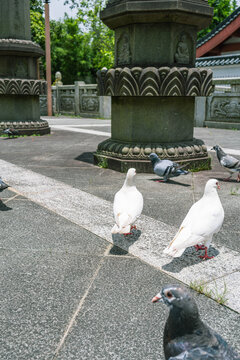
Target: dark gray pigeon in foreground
(229, 162)
(166, 168)
(186, 337)
(11, 132)
(3, 185)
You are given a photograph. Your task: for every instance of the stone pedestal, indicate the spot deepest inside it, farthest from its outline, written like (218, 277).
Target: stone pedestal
(154, 83)
(19, 84)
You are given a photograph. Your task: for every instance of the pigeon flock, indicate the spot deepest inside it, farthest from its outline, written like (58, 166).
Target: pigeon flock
(186, 337)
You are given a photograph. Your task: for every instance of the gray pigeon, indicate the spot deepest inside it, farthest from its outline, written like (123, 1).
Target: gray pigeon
(11, 132)
(166, 168)
(186, 337)
(229, 162)
(3, 185)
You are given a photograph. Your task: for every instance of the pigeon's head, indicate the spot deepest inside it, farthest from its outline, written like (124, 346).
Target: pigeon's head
(171, 295)
(211, 184)
(131, 173)
(216, 148)
(153, 156)
(177, 297)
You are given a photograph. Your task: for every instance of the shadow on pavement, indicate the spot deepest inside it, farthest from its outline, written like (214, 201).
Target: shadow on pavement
(171, 182)
(124, 242)
(4, 207)
(85, 157)
(189, 257)
(228, 181)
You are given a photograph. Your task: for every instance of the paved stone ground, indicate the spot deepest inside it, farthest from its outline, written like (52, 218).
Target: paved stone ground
(70, 291)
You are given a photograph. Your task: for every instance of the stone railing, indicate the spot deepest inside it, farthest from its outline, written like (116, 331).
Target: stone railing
(79, 99)
(222, 108)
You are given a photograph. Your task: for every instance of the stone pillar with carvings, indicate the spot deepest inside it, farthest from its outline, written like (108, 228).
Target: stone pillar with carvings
(19, 84)
(154, 83)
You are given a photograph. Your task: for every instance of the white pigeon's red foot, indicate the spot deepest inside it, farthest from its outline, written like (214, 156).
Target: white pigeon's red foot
(199, 247)
(205, 256)
(159, 180)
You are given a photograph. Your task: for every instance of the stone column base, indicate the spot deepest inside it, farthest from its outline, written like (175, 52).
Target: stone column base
(121, 156)
(40, 127)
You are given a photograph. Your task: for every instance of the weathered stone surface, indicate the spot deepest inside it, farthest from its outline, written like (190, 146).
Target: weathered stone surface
(123, 12)
(19, 84)
(151, 81)
(22, 87)
(174, 151)
(154, 81)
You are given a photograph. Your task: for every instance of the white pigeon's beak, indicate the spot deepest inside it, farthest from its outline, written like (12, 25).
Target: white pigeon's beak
(157, 298)
(218, 186)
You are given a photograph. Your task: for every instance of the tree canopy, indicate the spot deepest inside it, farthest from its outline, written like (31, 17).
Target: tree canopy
(82, 45)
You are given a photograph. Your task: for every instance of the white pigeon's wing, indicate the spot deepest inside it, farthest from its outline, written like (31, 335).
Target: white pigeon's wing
(128, 201)
(200, 223)
(205, 217)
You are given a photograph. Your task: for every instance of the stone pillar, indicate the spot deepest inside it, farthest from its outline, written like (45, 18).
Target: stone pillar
(154, 83)
(19, 84)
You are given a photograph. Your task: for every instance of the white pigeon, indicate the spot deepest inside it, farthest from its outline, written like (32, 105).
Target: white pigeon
(127, 206)
(204, 219)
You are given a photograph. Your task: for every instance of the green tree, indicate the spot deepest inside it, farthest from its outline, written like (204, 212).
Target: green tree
(37, 5)
(222, 9)
(70, 51)
(100, 37)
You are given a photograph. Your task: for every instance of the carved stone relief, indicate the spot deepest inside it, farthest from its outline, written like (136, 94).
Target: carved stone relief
(182, 54)
(153, 81)
(123, 50)
(90, 104)
(225, 108)
(66, 104)
(21, 70)
(22, 87)
(174, 151)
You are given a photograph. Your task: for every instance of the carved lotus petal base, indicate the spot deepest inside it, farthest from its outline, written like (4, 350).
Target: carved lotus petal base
(40, 127)
(140, 151)
(121, 156)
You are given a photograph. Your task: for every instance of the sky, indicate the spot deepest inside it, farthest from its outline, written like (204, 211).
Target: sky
(57, 10)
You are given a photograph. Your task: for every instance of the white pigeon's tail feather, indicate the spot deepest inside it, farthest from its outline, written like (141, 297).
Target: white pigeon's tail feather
(173, 252)
(123, 225)
(183, 239)
(115, 229)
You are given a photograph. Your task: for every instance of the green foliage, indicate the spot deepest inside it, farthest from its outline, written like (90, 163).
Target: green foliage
(37, 28)
(100, 37)
(222, 9)
(70, 50)
(79, 46)
(37, 5)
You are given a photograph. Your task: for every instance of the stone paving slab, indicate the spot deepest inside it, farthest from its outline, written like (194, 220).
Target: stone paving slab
(39, 292)
(118, 320)
(147, 243)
